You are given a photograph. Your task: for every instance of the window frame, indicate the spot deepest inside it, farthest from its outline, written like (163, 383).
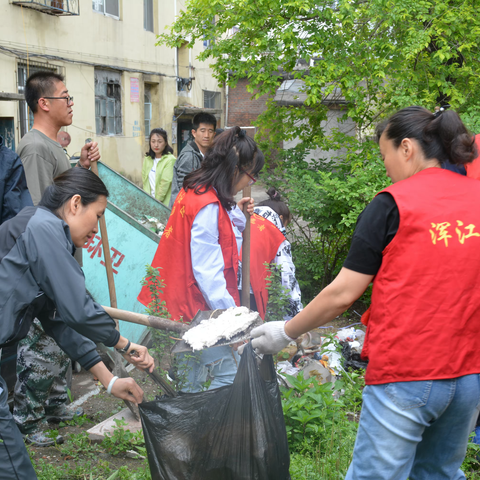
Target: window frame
(214, 97)
(145, 16)
(147, 96)
(104, 12)
(108, 96)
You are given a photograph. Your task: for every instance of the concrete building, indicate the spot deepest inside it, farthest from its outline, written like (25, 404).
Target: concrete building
(123, 85)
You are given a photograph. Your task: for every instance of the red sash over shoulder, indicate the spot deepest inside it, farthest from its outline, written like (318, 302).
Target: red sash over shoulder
(266, 238)
(424, 319)
(182, 296)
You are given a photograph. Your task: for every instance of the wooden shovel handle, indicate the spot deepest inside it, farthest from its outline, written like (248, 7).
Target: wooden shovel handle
(247, 192)
(106, 253)
(159, 323)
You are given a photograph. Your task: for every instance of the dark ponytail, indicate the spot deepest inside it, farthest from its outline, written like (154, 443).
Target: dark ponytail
(276, 203)
(442, 135)
(76, 181)
(232, 149)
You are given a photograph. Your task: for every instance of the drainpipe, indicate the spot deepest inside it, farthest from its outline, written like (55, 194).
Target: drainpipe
(175, 59)
(226, 104)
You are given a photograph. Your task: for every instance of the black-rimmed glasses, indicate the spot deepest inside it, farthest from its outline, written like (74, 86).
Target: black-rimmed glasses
(68, 99)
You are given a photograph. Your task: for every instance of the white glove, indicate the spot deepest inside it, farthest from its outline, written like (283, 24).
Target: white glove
(270, 338)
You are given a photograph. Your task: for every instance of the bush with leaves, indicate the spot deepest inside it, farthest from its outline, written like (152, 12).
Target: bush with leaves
(278, 296)
(321, 428)
(162, 341)
(325, 201)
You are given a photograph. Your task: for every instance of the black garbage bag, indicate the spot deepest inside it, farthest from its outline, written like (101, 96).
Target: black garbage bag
(236, 432)
(352, 359)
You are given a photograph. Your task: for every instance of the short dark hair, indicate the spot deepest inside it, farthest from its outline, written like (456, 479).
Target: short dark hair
(75, 181)
(442, 135)
(40, 84)
(158, 131)
(276, 203)
(231, 150)
(204, 117)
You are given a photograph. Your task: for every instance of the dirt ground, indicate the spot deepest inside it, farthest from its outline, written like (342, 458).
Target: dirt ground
(97, 408)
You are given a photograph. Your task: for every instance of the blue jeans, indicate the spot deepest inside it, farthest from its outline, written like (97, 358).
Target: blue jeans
(416, 430)
(217, 363)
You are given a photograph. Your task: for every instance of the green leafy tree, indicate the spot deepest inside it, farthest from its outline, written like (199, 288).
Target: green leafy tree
(381, 54)
(369, 58)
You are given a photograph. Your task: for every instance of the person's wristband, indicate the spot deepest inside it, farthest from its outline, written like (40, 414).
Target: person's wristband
(124, 350)
(110, 385)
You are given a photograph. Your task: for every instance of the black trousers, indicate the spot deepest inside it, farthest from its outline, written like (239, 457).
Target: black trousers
(14, 460)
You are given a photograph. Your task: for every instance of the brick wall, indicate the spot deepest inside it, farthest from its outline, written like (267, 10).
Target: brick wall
(242, 109)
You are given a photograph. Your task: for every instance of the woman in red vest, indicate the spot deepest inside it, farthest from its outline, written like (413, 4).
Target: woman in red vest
(198, 251)
(269, 245)
(419, 242)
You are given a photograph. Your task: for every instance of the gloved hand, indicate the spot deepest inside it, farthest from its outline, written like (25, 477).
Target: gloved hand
(269, 338)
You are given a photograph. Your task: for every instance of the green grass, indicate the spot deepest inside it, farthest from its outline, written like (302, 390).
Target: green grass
(320, 427)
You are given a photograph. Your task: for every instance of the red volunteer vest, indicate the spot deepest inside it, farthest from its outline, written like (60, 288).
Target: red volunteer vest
(473, 169)
(425, 314)
(182, 296)
(265, 239)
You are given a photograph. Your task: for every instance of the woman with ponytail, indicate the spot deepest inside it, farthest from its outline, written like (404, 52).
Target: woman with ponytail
(418, 241)
(268, 244)
(198, 251)
(39, 278)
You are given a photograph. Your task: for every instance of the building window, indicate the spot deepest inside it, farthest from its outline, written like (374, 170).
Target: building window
(212, 100)
(148, 109)
(110, 8)
(25, 115)
(148, 15)
(108, 102)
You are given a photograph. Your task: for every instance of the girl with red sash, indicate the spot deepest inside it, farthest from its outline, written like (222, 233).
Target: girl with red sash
(419, 242)
(198, 251)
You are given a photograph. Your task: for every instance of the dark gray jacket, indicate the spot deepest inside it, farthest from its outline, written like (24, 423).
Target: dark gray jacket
(13, 184)
(40, 278)
(189, 160)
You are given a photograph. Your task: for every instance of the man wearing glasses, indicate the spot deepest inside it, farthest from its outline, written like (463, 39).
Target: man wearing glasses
(41, 389)
(42, 156)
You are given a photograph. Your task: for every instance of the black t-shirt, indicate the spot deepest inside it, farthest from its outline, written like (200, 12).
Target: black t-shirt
(375, 229)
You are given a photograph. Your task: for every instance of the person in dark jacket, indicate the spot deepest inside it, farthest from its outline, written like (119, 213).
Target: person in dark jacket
(191, 156)
(14, 194)
(39, 278)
